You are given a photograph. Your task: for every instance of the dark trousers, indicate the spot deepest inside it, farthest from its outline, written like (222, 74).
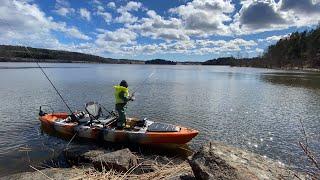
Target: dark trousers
(121, 109)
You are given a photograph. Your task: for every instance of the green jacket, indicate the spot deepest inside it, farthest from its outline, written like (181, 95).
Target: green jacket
(121, 94)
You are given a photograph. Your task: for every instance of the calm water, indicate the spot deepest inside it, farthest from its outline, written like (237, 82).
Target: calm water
(256, 109)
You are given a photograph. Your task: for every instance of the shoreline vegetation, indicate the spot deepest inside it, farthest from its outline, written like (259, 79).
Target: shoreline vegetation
(298, 51)
(213, 160)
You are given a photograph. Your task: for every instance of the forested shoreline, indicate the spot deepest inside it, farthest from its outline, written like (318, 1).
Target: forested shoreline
(10, 53)
(297, 51)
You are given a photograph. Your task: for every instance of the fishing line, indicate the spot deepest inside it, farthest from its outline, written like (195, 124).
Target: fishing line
(145, 80)
(34, 59)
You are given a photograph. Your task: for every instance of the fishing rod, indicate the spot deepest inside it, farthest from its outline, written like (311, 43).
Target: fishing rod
(140, 84)
(45, 74)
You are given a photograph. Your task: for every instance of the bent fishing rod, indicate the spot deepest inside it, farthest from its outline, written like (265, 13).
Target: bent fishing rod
(45, 74)
(141, 83)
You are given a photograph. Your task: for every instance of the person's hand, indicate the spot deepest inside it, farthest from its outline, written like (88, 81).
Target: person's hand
(132, 98)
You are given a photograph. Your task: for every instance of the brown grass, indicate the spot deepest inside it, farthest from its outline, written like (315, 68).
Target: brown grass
(161, 171)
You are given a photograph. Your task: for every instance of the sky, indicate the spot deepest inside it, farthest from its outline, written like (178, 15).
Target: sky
(178, 30)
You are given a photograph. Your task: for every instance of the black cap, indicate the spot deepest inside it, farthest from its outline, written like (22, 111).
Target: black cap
(124, 83)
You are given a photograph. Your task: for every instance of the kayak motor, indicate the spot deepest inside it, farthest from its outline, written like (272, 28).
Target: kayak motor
(41, 113)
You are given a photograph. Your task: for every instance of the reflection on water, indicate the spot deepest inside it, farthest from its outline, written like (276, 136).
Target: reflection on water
(306, 80)
(256, 109)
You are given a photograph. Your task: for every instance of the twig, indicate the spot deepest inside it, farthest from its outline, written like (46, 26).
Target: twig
(304, 133)
(71, 140)
(309, 154)
(130, 170)
(41, 172)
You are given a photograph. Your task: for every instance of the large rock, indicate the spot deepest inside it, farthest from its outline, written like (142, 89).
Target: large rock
(80, 154)
(218, 161)
(52, 173)
(121, 161)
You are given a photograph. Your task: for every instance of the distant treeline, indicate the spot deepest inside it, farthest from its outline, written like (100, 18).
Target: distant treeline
(160, 61)
(299, 50)
(22, 54)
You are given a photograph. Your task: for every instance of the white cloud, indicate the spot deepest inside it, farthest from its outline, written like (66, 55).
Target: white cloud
(259, 51)
(70, 31)
(268, 15)
(85, 14)
(272, 39)
(131, 6)
(64, 11)
(112, 5)
(112, 41)
(62, 7)
(106, 16)
(205, 17)
(125, 16)
(195, 47)
(25, 24)
(158, 28)
(97, 2)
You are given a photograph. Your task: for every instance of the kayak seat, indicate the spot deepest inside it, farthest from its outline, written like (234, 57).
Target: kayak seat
(93, 109)
(162, 127)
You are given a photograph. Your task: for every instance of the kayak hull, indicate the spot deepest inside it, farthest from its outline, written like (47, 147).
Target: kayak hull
(53, 121)
(181, 137)
(97, 131)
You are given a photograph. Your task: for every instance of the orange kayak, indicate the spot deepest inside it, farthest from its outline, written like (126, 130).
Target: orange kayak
(148, 133)
(57, 122)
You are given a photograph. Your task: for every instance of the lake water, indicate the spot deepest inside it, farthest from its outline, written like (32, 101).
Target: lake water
(255, 109)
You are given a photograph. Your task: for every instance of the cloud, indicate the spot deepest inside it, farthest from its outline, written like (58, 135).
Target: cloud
(106, 16)
(268, 15)
(111, 5)
(272, 39)
(302, 6)
(158, 28)
(112, 41)
(84, 13)
(260, 15)
(205, 17)
(25, 24)
(259, 51)
(302, 12)
(70, 31)
(125, 16)
(62, 8)
(97, 2)
(195, 47)
(131, 6)
(64, 11)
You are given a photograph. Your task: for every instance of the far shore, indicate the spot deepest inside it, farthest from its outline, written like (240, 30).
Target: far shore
(29, 60)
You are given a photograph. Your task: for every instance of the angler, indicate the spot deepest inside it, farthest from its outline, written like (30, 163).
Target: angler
(122, 97)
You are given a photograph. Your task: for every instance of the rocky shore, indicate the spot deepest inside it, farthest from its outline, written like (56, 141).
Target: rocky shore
(213, 161)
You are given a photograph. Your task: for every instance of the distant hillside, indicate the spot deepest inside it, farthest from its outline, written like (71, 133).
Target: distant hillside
(21, 54)
(160, 61)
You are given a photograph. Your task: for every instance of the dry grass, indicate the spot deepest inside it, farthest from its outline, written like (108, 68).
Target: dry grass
(160, 171)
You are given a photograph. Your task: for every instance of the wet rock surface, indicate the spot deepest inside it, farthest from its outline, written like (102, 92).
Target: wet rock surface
(77, 155)
(101, 159)
(218, 161)
(121, 161)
